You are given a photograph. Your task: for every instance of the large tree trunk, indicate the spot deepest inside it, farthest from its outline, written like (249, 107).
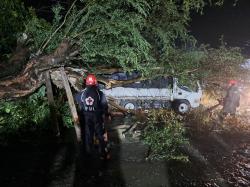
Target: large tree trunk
(15, 62)
(32, 76)
(23, 84)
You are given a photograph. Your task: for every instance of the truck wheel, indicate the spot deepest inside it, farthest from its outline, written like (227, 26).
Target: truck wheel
(130, 106)
(182, 106)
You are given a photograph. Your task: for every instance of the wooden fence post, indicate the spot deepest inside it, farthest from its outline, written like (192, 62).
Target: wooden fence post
(52, 105)
(71, 104)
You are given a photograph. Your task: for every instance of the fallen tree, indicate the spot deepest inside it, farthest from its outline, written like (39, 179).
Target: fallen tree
(32, 75)
(124, 34)
(39, 71)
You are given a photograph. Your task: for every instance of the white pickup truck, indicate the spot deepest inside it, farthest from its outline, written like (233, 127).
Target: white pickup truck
(161, 92)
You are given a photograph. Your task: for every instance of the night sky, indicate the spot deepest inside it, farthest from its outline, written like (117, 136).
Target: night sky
(233, 22)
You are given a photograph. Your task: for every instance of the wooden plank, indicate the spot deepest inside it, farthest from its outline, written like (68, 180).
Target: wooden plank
(49, 88)
(52, 105)
(71, 104)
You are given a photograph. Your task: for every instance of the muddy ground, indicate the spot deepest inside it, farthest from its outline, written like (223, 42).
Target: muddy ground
(216, 159)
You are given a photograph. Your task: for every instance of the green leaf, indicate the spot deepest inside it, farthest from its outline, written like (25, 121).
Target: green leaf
(7, 110)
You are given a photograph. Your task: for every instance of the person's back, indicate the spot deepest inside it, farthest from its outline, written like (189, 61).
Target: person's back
(93, 105)
(90, 99)
(232, 100)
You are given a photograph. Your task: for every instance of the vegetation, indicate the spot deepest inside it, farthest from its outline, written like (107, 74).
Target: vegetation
(222, 62)
(212, 66)
(12, 18)
(65, 113)
(165, 135)
(202, 121)
(31, 113)
(132, 34)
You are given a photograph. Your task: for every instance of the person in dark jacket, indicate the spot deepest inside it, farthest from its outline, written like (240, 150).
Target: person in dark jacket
(232, 99)
(93, 107)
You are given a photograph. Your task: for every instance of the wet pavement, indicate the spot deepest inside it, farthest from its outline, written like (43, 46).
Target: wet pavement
(215, 160)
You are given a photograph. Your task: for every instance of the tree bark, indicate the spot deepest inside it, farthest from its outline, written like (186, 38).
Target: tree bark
(33, 75)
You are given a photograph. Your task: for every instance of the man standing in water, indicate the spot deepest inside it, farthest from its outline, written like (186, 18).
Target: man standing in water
(232, 99)
(93, 107)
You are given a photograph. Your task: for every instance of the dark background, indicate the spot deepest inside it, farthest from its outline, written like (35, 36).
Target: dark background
(233, 22)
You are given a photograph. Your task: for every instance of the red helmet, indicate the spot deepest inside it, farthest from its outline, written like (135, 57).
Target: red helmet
(232, 82)
(91, 80)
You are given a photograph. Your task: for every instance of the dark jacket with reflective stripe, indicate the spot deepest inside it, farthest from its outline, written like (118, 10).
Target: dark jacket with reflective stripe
(232, 100)
(92, 100)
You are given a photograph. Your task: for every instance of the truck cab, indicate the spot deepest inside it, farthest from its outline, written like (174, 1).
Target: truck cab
(184, 98)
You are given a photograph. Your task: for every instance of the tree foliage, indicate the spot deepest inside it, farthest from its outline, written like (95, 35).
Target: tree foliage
(24, 114)
(12, 18)
(132, 34)
(165, 135)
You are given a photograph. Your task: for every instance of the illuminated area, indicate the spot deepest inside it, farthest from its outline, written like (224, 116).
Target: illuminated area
(126, 93)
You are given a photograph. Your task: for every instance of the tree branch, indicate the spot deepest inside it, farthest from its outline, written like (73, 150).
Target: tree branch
(32, 76)
(58, 28)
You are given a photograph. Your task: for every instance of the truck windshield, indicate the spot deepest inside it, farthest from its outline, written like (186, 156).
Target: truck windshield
(184, 88)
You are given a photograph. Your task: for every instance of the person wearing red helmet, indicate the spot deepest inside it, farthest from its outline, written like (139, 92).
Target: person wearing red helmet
(93, 105)
(91, 80)
(232, 99)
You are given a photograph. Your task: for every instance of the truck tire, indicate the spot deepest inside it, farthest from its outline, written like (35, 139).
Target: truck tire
(182, 106)
(130, 105)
